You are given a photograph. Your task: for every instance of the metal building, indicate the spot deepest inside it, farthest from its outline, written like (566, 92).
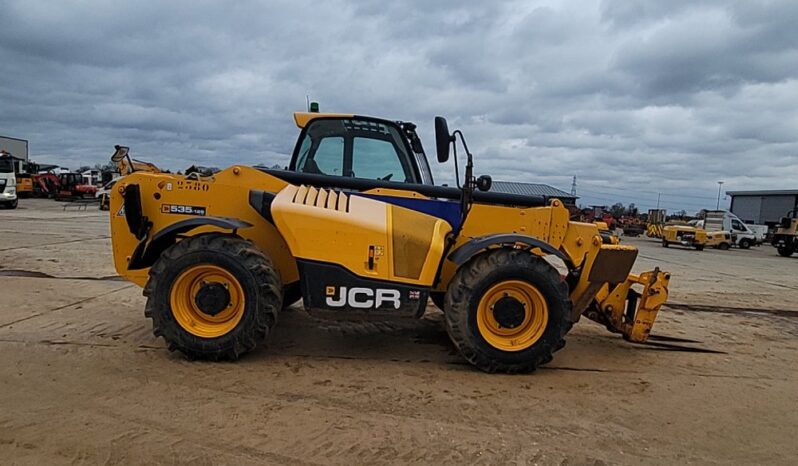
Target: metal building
(14, 146)
(533, 189)
(763, 207)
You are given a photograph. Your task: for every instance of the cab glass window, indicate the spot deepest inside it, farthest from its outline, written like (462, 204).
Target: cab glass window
(355, 148)
(6, 166)
(736, 225)
(376, 159)
(327, 156)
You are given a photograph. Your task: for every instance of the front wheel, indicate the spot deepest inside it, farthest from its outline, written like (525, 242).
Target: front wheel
(507, 311)
(723, 246)
(744, 243)
(786, 251)
(213, 296)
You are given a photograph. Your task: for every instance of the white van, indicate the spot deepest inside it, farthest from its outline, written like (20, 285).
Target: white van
(743, 236)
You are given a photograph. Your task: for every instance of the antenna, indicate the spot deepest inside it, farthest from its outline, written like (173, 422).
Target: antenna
(307, 102)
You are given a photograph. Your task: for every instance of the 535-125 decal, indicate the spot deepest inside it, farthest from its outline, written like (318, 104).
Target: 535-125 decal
(182, 209)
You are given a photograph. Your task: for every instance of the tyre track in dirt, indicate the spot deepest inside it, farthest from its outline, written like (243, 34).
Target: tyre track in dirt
(56, 243)
(20, 273)
(733, 310)
(65, 306)
(718, 272)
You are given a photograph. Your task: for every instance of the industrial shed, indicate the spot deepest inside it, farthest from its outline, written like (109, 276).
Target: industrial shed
(533, 189)
(763, 207)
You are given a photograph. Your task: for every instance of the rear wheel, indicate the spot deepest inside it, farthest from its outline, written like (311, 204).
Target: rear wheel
(723, 246)
(507, 311)
(213, 297)
(786, 251)
(744, 243)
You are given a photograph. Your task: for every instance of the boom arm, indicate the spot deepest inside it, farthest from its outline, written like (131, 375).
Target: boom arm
(127, 165)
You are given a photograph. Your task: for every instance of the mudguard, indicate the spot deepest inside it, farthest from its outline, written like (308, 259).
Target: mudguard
(462, 254)
(147, 253)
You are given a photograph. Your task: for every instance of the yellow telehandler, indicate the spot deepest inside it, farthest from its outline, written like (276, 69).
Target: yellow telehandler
(355, 227)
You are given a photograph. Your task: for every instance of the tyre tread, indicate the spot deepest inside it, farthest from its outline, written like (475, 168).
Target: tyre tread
(457, 311)
(269, 298)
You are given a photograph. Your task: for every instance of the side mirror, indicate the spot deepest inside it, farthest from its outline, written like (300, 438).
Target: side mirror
(442, 139)
(484, 183)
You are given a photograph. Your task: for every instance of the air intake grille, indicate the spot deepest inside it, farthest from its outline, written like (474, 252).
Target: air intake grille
(324, 198)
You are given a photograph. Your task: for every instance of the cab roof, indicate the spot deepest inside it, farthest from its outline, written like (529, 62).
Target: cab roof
(303, 118)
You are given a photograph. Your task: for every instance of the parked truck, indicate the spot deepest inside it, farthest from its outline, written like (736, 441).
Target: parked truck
(8, 183)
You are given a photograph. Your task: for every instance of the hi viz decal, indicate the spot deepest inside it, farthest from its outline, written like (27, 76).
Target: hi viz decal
(362, 298)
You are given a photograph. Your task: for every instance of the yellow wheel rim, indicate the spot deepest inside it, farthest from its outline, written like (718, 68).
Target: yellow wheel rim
(522, 309)
(183, 299)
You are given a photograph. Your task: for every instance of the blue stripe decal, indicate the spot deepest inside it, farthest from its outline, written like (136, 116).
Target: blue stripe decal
(446, 210)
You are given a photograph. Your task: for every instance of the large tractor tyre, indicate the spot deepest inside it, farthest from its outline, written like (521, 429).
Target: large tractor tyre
(744, 243)
(507, 311)
(786, 251)
(213, 297)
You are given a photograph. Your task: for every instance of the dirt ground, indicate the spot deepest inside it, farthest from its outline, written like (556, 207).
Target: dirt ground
(83, 381)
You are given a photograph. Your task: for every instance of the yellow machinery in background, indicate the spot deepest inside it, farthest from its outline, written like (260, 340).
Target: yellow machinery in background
(608, 236)
(694, 237)
(656, 222)
(785, 238)
(356, 228)
(24, 185)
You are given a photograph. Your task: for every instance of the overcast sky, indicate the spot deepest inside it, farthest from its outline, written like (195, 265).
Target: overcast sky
(635, 98)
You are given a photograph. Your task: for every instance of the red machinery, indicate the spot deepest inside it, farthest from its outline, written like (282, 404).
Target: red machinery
(62, 186)
(70, 186)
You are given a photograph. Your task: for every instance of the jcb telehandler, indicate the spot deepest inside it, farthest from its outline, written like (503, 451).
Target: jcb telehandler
(356, 228)
(785, 239)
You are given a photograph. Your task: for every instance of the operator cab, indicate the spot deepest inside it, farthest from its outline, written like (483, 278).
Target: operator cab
(359, 153)
(360, 147)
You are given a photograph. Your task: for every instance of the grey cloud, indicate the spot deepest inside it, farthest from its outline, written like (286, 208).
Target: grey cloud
(633, 97)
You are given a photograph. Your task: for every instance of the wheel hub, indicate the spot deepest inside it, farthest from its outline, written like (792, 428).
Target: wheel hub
(509, 312)
(212, 298)
(512, 315)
